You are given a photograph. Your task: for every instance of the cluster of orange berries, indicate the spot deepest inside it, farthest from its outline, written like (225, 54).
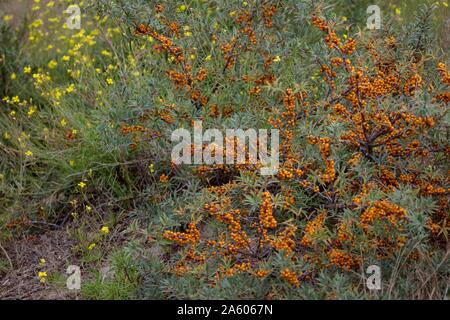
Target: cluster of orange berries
(167, 45)
(331, 38)
(201, 75)
(330, 173)
(164, 178)
(236, 268)
(265, 79)
(429, 189)
(268, 13)
(286, 124)
(382, 209)
(136, 130)
(228, 53)
(342, 259)
(343, 233)
(124, 129)
(181, 269)
(433, 227)
(239, 236)
(167, 118)
(312, 227)
(290, 277)
(285, 240)
(159, 8)
(262, 273)
(289, 199)
(445, 79)
(180, 80)
(325, 150)
(324, 145)
(355, 159)
(444, 73)
(191, 236)
(266, 212)
(412, 84)
(222, 189)
(388, 178)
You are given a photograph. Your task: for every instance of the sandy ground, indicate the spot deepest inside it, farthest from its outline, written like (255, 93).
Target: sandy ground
(21, 281)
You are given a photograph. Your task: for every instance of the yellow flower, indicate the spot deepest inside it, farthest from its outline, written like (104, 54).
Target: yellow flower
(277, 59)
(63, 122)
(8, 17)
(52, 64)
(13, 76)
(208, 58)
(70, 88)
(66, 58)
(88, 209)
(29, 153)
(151, 168)
(82, 185)
(15, 99)
(110, 81)
(106, 53)
(37, 23)
(398, 11)
(71, 163)
(91, 246)
(181, 8)
(31, 110)
(42, 276)
(27, 70)
(42, 262)
(104, 230)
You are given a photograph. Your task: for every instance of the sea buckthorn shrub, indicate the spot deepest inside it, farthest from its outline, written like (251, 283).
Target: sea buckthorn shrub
(363, 121)
(361, 153)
